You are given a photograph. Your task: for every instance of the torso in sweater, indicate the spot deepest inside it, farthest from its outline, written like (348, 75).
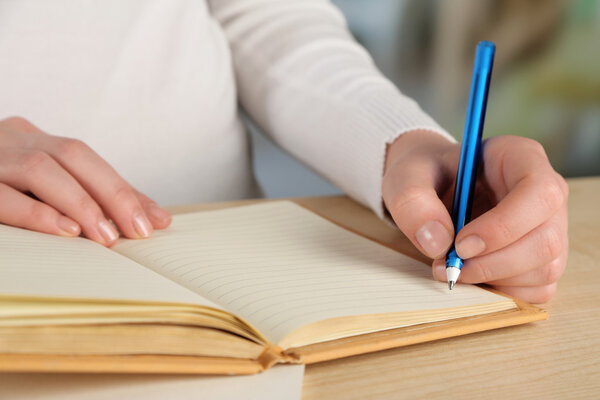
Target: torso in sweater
(148, 85)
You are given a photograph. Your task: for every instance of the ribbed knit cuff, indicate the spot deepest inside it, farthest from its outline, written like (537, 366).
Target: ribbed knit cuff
(386, 115)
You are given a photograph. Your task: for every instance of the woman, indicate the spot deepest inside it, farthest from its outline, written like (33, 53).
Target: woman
(153, 86)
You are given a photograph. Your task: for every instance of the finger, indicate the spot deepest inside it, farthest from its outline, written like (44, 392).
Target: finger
(537, 248)
(536, 196)
(158, 216)
(40, 174)
(438, 269)
(22, 211)
(409, 192)
(102, 182)
(531, 294)
(537, 295)
(536, 256)
(542, 276)
(19, 132)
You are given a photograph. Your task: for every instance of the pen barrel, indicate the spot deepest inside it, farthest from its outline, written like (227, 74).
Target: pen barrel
(471, 145)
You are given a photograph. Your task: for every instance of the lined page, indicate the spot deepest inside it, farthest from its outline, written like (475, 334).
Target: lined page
(36, 264)
(280, 267)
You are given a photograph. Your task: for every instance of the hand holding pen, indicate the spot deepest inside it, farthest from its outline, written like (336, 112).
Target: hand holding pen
(516, 239)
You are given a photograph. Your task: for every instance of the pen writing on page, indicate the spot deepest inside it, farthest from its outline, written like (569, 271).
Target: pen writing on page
(470, 152)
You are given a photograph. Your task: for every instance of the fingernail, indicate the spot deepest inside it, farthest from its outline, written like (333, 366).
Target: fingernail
(433, 238)
(107, 231)
(67, 226)
(157, 212)
(470, 246)
(141, 224)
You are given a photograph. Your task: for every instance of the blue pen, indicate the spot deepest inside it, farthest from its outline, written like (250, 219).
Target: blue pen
(470, 152)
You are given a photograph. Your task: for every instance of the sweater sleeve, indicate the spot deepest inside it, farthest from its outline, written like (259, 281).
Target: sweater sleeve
(316, 92)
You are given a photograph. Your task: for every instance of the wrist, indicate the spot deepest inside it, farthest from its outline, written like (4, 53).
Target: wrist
(414, 142)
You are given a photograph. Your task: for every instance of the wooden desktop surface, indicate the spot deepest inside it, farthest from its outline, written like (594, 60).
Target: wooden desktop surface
(554, 359)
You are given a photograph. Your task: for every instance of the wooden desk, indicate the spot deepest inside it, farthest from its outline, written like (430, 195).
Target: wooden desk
(554, 359)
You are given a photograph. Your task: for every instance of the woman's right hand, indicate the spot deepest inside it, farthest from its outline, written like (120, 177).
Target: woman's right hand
(60, 186)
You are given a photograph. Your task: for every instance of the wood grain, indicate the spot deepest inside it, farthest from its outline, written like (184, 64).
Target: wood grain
(554, 359)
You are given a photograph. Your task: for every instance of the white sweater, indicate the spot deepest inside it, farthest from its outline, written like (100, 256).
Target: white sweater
(153, 87)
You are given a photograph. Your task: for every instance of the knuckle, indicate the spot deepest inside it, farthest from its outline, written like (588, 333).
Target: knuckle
(34, 161)
(564, 186)
(88, 207)
(37, 213)
(534, 146)
(502, 229)
(19, 122)
(409, 196)
(545, 293)
(71, 148)
(552, 195)
(144, 201)
(552, 244)
(553, 271)
(123, 194)
(484, 273)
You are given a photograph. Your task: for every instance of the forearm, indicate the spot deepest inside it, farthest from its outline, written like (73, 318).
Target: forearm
(316, 92)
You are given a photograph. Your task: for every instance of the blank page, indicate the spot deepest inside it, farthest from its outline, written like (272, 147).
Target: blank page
(37, 264)
(281, 267)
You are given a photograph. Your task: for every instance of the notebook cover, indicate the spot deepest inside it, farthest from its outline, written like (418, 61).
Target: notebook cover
(147, 364)
(392, 338)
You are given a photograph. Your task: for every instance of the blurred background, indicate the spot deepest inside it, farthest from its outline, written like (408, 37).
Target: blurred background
(545, 85)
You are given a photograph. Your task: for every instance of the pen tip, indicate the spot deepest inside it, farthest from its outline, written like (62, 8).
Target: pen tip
(451, 284)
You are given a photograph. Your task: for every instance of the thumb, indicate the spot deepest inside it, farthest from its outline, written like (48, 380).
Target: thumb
(409, 193)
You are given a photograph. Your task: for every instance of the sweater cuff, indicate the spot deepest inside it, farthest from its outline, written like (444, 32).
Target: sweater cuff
(389, 115)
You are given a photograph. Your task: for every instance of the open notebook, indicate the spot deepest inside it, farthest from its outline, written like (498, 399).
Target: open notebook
(226, 291)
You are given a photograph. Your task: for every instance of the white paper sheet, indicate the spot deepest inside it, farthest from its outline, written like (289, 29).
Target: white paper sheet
(279, 382)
